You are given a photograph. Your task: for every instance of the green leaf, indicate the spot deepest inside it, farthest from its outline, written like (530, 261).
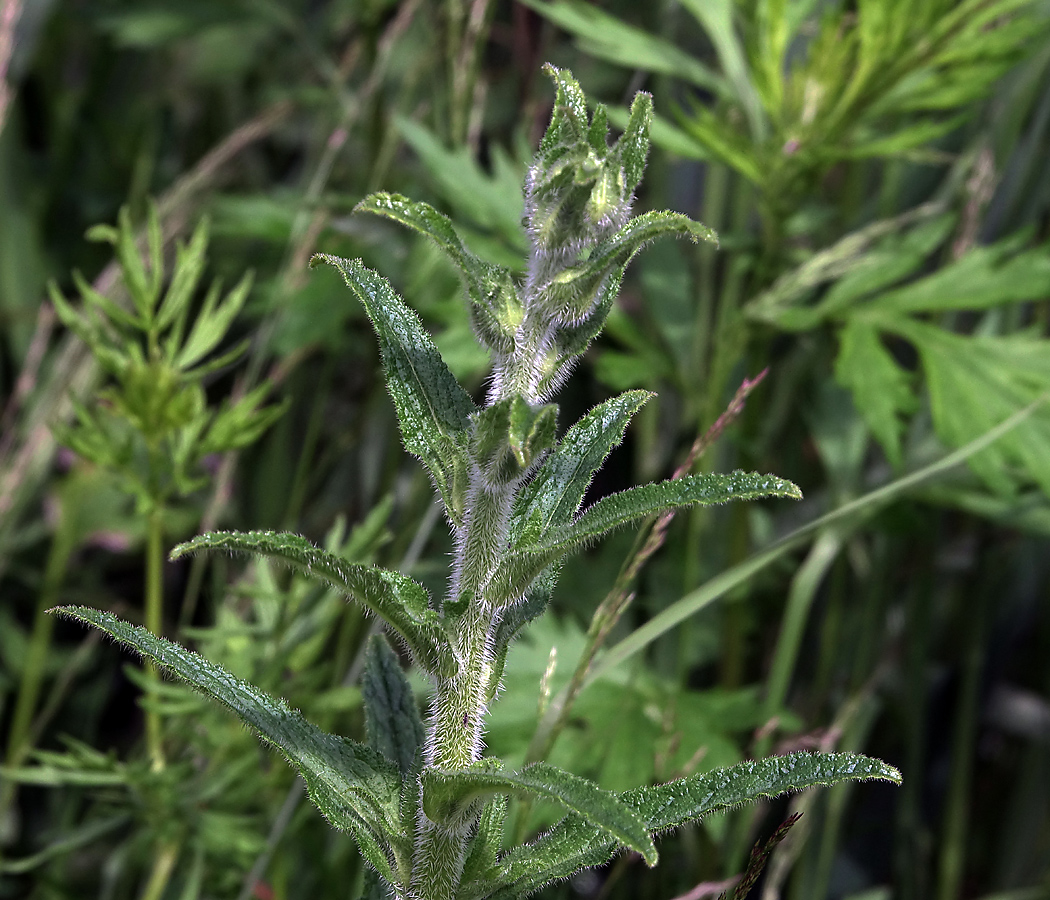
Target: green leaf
(864, 261)
(449, 795)
(189, 266)
(716, 17)
(488, 839)
(638, 502)
(576, 291)
(392, 720)
(531, 429)
(517, 616)
(881, 389)
(518, 569)
(574, 844)
(604, 36)
(977, 382)
(489, 196)
(632, 148)
(985, 277)
(433, 409)
(395, 598)
(242, 423)
(496, 308)
(354, 787)
(556, 491)
(213, 322)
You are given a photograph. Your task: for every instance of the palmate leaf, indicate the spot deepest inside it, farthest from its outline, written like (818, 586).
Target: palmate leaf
(355, 788)
(977, 382)
(395, 598)
(574, 844)
(433, 410)
(448, 795)
(533, 554)
(392, 720)
(881, 388)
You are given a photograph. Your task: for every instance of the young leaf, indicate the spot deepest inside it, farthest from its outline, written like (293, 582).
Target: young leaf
(495, 306)
(533, 554)
(488, 839)
(448, 795)
(575, 292)
(355, 788)
(557, 489)
(212, 322)
(395, 598)
(432, 408)
(574, 844)
(392, 720)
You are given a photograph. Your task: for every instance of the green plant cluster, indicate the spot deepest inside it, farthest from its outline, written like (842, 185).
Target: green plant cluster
(429, 813)
(871, 325)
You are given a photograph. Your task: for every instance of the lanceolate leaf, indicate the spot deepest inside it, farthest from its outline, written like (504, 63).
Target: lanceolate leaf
(494, 298)
(481, 277)
(558, 487)
(395, 598)
(488, 839)
(392, 719)
(355, 788)
(518, 569)
(574, 844)
(433, 409)
(637, 503)
(450, 794)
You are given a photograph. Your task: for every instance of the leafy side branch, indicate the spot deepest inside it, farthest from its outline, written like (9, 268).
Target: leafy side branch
(425, 805)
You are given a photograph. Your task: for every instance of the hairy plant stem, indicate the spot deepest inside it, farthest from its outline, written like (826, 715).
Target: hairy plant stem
(454, 738)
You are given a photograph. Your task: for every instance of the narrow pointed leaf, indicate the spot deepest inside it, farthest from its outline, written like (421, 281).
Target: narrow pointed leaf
(520, 568)
(517, 616)
(355, 788)
(633, 145)
(189, 266)
(392, 719)
(488, 839)
(212, 324)
(433, 409)
(881, 389)
(481, 277)
(395, 598)
(448, 795)
(574, 844)
(637, 503)
(556, 491)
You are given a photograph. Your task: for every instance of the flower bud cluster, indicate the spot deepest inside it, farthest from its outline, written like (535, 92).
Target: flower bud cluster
(578, 196)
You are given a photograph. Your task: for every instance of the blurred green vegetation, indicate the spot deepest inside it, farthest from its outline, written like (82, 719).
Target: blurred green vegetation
(877, 172)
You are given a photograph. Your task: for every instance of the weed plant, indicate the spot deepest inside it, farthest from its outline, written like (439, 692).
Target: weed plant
(425, 805)
(899, 610)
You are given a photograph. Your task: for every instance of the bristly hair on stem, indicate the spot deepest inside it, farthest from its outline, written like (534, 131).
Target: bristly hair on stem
(424, 804)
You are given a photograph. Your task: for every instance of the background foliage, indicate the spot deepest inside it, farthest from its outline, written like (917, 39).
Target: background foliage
(877, 173)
